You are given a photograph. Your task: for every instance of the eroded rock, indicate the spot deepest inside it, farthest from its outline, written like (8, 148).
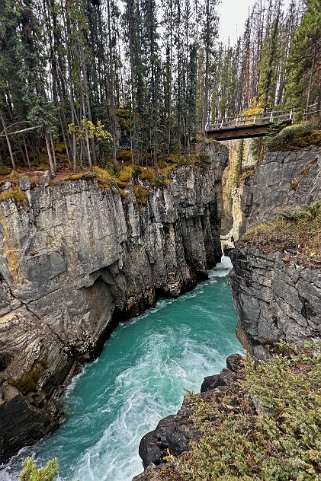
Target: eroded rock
(78, 260)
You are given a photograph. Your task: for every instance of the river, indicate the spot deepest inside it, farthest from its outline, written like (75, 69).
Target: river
(139, 378)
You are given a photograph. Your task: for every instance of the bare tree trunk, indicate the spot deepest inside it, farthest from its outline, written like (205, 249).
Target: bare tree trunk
(8, 143)
(51, 164)
(27, 154)
(53, 151)
(112, 88)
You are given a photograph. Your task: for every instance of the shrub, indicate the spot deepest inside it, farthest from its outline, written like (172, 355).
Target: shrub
(104, 177)
(124, 156)
(294, 136)
(32, 473)
(141, 194)
(265, 427)
(149, 174)
(124, 176)
(16, 194)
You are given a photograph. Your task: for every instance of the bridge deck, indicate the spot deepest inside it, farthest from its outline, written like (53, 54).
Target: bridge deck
(247, 126)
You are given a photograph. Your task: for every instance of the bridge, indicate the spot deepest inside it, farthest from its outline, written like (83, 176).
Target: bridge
(247, 126)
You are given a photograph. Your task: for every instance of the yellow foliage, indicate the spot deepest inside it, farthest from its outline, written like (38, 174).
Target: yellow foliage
(82, 176)
(149, 174)
(104, 177)
(141, 194)
(124, 176)
(15, 194)
(97, 132)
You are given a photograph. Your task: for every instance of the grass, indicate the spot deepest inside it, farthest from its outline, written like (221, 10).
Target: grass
(297, 231)
(265, 426)
(86, 175)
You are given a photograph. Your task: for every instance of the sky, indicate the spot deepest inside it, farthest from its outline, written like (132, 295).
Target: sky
(233, 14)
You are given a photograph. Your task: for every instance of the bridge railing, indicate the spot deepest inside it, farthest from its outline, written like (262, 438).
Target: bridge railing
(263, 118)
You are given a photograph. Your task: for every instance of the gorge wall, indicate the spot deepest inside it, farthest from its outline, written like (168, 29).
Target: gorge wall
(277, 297)
(78, 259)
(275, 291)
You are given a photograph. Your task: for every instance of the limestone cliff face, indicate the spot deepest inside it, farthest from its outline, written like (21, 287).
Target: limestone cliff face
(275, 297)
(284, 180)
(77, 260)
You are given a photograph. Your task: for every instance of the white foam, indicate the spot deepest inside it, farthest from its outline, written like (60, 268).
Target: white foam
(141, 394)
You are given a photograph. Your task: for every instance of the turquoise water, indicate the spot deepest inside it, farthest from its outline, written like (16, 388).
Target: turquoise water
(139, 378)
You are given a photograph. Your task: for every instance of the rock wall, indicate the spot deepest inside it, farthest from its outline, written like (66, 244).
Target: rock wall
(284, 180)
(275, 297)
(76, 261)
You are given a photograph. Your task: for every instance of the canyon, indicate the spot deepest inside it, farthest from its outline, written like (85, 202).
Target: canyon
(276, 295)
(75, 260)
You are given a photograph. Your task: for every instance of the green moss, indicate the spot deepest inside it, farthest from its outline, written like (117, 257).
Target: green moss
(267, 426)
(16, 194)
(295, 137)
(141, 194)
(88, 175)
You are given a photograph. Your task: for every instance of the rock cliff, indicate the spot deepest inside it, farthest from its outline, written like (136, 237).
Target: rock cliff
(276, 294)
(277, 297)
(77, 260)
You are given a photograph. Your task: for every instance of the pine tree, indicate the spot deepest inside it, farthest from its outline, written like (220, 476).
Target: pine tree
(304, 82)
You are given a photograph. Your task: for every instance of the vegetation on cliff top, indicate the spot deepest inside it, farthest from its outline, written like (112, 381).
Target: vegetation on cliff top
(266, 426)
(295, 232)
(294, 137)
(142, 178)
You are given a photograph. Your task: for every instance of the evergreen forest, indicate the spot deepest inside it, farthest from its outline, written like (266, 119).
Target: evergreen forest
(88, 83)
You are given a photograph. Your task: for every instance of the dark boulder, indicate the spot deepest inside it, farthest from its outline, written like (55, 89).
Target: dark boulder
(212, 382)
(172, 434)
(234, 362)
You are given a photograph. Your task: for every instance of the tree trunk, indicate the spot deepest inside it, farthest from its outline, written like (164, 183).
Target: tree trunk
(8, 143)
(51, 164)
(27, 154)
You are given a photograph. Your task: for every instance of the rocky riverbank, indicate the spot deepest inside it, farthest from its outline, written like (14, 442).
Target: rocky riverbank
(173, 434)
(75, 260)
(275, 282)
